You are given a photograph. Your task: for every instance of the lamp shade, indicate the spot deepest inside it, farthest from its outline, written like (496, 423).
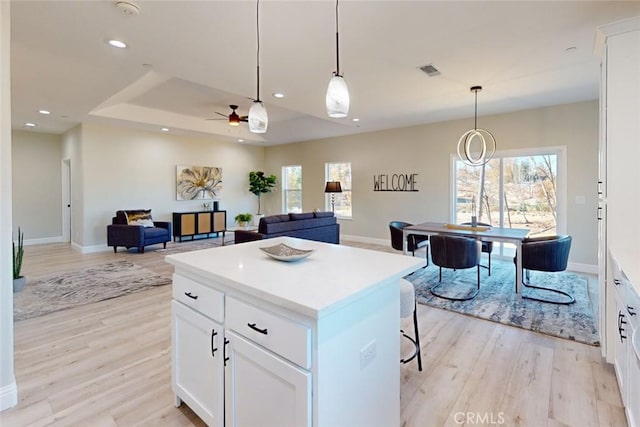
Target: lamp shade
(333, 187)
(337, 97)
(258, 119)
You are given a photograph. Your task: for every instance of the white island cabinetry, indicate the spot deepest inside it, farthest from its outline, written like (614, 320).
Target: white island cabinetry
(308, 343)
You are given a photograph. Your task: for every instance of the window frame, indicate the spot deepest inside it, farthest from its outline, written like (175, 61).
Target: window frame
(347, 191)
(561, 183)
(286, 190)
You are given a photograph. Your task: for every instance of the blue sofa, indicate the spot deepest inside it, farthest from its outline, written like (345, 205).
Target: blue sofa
(120, 233)
(319, 226)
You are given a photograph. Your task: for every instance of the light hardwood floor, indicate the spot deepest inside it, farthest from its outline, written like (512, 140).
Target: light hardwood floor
(109, 364)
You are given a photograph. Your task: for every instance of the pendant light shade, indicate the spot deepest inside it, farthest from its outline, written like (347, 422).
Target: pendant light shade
(258, 119)
(337, 97)
(483, 138)
(337, 100)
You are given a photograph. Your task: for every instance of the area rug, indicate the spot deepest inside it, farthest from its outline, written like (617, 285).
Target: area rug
(498, 302)
(195, 245)
(71, 289)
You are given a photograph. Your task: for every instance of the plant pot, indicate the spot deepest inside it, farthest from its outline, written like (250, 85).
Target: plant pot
(242, 224)
(18, 284)
(256, 219)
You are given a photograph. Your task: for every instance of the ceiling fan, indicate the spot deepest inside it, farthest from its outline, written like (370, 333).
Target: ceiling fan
(233, 118)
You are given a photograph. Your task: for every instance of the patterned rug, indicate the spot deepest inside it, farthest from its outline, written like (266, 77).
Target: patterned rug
(93, 284)
(498, 302)
(194, 245)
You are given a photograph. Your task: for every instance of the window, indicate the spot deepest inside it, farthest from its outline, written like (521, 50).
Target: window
(343, 204)
(292, 189)
(521, 190)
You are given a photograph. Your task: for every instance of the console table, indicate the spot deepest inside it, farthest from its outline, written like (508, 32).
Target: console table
(201, 224)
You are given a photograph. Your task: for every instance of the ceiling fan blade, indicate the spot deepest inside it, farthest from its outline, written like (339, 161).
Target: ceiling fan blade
(215, 118)
(223, 115)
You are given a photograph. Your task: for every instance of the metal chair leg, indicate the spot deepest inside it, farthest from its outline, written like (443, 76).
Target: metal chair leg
(415, 340)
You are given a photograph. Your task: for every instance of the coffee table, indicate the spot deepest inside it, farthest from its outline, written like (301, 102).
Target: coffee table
(245, 228)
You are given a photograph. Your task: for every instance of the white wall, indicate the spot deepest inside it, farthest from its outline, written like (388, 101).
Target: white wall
(37, 191)
(426, 150)
(8, 390)
(123, 168)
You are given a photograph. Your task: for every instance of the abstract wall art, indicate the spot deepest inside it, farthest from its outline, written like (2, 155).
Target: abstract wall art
(198, 182)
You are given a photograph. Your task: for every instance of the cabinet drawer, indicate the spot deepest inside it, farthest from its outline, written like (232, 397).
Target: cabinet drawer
(284, 337)
(201, 298)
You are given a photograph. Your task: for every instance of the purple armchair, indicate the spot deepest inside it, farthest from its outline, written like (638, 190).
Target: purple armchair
(120, 233)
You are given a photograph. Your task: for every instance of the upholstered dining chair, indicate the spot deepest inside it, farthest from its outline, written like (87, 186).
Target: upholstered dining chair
(414, 241)
(456, 253)
(549, 254)
(487, 246)
(407, 308)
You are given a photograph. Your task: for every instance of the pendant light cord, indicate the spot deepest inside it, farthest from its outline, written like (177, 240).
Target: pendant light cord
(258, 50)
(475, 122)
(337, 44)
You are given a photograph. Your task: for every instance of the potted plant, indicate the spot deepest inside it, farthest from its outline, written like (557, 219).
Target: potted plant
(243, 219)
(260, 183)
(18, 254)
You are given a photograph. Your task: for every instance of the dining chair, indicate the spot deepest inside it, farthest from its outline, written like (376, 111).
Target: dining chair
(487, 246)
(548, 254)
(456, 253)
(414, 241)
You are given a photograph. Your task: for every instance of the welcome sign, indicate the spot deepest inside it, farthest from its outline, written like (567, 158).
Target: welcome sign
(395, 182)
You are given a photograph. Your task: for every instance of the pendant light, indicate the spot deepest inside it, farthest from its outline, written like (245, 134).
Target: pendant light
(483, 136)
(258, 119)
(337, 99)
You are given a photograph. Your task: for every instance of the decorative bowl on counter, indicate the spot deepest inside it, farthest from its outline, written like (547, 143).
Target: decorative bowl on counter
(283, 252)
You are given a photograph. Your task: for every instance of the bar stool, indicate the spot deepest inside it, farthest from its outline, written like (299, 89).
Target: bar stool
(407, 308)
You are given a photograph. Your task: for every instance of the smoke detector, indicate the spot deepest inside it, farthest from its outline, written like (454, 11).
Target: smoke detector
(430, 70)
(128, 7)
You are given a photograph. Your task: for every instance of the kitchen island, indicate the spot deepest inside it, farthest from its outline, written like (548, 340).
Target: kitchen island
(315, 342)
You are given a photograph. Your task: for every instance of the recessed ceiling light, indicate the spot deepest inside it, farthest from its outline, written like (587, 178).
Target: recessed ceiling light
(240, 140)
(278, 95)
(117, 43)
(355, 119)
(44, 112)
(165, 129)
(30, 125)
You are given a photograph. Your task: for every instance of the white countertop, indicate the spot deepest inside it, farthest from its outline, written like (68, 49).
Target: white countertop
(328, 279)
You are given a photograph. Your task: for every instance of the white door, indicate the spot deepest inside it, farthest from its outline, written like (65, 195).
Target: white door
(262, 389)
(198, 365)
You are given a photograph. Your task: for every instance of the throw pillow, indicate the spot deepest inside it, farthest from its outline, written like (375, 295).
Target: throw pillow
(140, 217)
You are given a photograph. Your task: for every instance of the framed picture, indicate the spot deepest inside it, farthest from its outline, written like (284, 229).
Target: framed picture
(198, 182)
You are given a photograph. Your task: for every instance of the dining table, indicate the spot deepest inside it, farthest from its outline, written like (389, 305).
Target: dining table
(488, 233)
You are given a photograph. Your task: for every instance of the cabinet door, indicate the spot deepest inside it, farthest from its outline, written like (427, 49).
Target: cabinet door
(187, 224)
(219, 221)
(263, 389)
(204, 223)
(621, 352)
(634, 379)
(198, 366)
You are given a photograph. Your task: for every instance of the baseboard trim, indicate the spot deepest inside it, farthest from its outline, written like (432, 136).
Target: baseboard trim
(8, 396)
(362, 239)
(43, 240)
(91, 249)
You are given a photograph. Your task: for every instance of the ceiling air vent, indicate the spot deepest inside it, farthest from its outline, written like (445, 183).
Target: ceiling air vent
(430, 70)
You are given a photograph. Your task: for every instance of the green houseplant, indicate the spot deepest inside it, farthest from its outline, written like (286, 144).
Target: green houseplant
(18, 255)
(243, 219)
(260, 183)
